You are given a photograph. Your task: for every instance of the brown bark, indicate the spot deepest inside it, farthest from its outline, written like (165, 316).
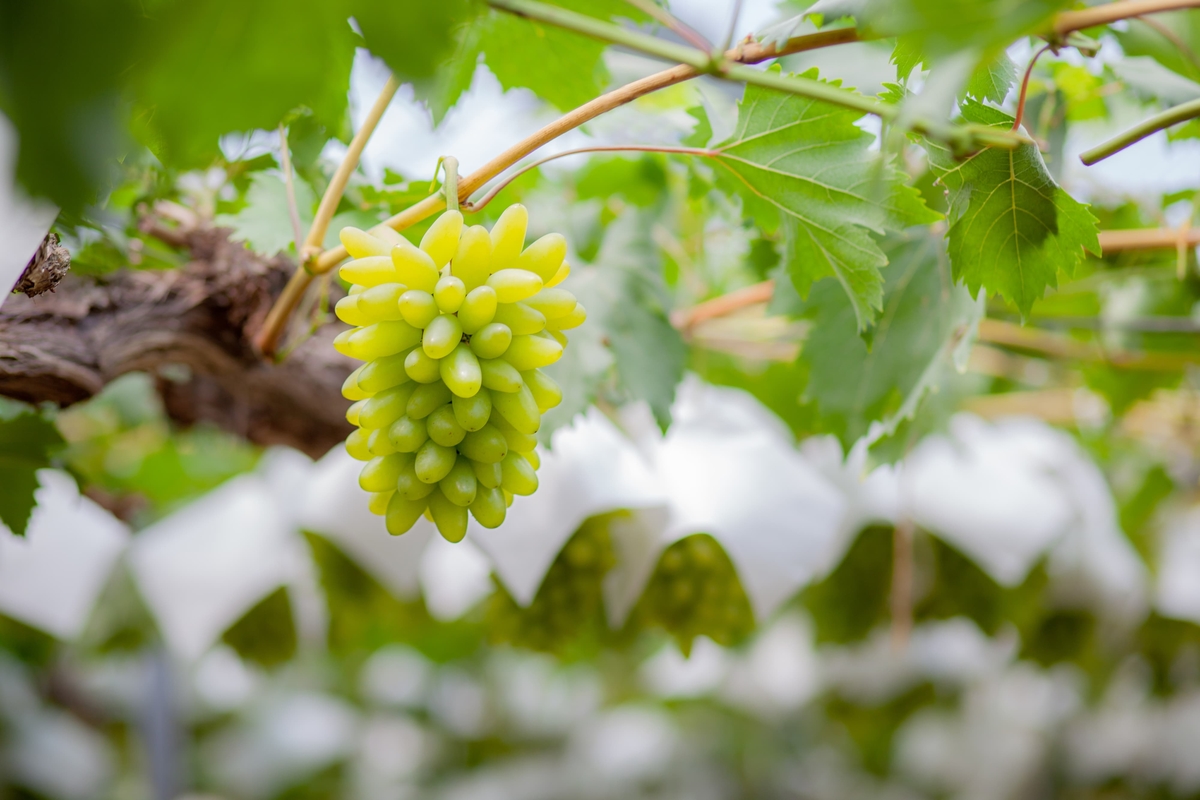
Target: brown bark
(192, 328)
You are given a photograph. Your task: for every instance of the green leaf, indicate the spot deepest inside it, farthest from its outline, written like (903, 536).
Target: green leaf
(702, 134)
(807, 166)
(27, 442)
(264, 224)
(993, 79)
(1012, 228)
(215, 66)
(413, 37)
(627, 308)
(927, 322)
(563, 68)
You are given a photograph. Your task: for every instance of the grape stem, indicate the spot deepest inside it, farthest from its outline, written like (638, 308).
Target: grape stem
(1149, 126)
(959, 137)
(450, 187)
(285, 160)
(478, 205)
(1020, 116)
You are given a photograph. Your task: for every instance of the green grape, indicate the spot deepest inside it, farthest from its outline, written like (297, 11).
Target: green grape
(414, 268)
(508, 236)
(488, 507)
(519, 409)
(442, 336)
(552, 303)
(488, 475)
(695, 591)
(574, 319)
(379, 443)
(408, 434)
(420, 367)
(369, 271)
(478, 309)
(563, 273)
(360, 244)
(460, 486)
(353, 412)
(381, 472)
(517, 441)
(520, 318)
(378, 340)
(514, 285)
(568, 609)
(449, 294)
(357, 444)
(381, 302)
(491, 341)
(347, 311)
(426, 398)
(486, 445)
(532, 352)
(409, 485)
(378, 503)
(545, 256)
(460, 371)
(450, 519)
(441, 240)
(545, 391)
(418, 308)
(473, 412)
(434, 461)
(517, 476)
(383, 373)
(471, 261)
(499, 375)
(402, 514)
(443, 427)
(350, 388)
(386, 407)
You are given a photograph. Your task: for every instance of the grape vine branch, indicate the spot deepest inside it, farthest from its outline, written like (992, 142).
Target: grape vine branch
(731, 65)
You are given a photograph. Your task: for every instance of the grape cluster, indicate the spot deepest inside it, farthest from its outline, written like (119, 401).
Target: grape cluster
(695, 591)
(568, 604)
(453, 333)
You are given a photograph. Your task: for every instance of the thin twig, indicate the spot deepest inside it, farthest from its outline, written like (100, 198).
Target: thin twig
(959, 137)
(733, 21)
(478, 205)
(673, 23)
(337, 186)
(1148, 127)
(1147, 239)
(273, 327)
(290, 181)
(1020, 115)
(1069, 21)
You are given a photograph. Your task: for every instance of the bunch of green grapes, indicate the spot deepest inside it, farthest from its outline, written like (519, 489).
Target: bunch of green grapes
(454, 333)
(695, 591)
(569, 602)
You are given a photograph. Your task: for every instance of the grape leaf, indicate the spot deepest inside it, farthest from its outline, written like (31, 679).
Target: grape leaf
(626, 300)
(413, 36)
(27, 442)
(927, 321)
(264, 223)
(216, 66)
(806, 165)
(1012, 228)
(563, 68)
